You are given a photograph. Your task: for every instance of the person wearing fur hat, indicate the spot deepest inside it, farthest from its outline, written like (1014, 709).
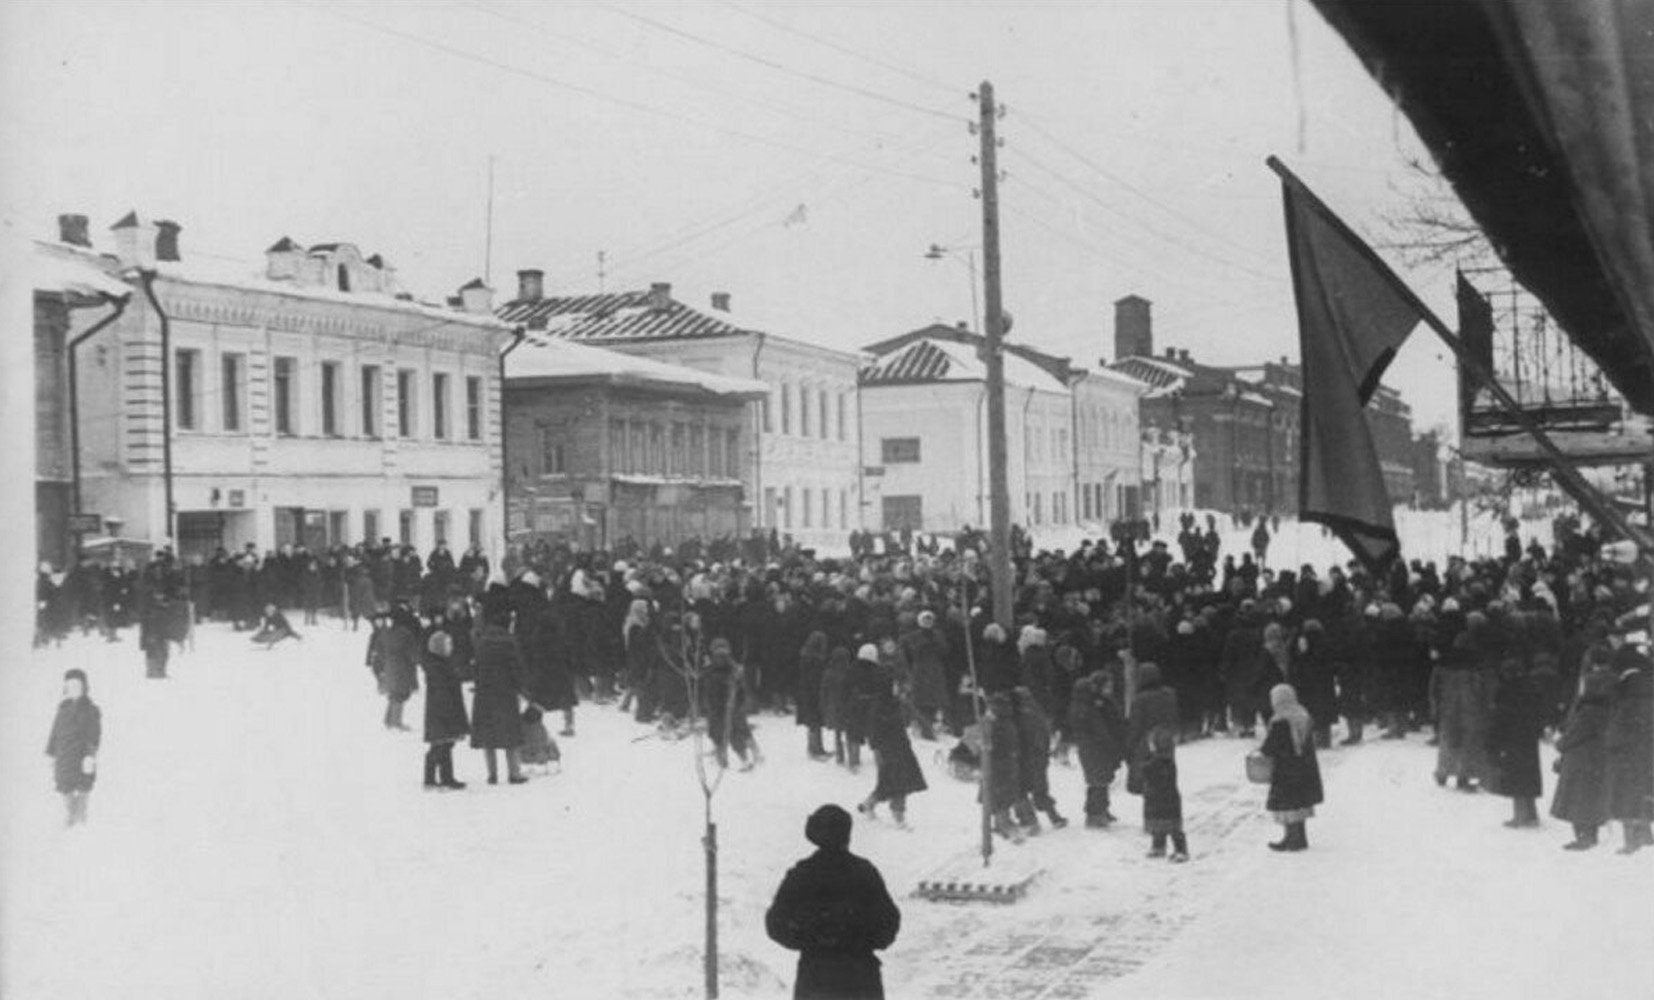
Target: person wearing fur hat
(997, 666)
(1098, 729)
(724, 697)
(926, 650)
(1034, 763)
(1517, 723)
(807, 711)
(862, 686)
(898, 769)
(76, 733)
(446, 664)
(1295, 785)
(835, 707)
(834, 910)
(1461, 691)
(1630, 744)
(399, 653)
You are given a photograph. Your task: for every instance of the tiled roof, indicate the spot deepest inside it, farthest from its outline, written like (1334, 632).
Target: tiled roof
(946, 360)
(1157, 373)
(638, 315)
(920, 361)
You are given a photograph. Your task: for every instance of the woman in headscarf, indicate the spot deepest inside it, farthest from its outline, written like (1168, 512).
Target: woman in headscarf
(898, 769)
(1581, 788)
(926, 650)
(77, 730)
(1295, 786)
(724, 696)
(642, 652)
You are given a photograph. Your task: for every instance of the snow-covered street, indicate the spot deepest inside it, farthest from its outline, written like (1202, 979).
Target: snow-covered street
(256, 833)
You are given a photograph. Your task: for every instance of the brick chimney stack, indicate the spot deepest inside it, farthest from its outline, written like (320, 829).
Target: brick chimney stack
(531, 285)
(166, 240)
(72, 229)
(720, 301)
(134, 241)
(1133, 328)
(660, 295)
(476, 297)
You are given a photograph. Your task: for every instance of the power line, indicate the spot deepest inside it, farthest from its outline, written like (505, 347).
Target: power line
(693, 80)
(598, 95)
(846, 50)
(782, 67)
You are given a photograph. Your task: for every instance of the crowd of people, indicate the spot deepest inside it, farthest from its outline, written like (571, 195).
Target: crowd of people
(1119, 653)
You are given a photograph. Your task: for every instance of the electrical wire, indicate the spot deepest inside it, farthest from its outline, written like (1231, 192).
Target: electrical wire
(599, 95)
(844, 49)
(782, 67)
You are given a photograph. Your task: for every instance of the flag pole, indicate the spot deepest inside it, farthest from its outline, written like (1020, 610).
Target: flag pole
(1599, 507)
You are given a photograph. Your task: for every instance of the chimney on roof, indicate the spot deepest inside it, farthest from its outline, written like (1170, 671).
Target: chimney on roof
(166, 240)
(1171, 354)
(476, 297)
(134, 241)
(281, 260)
(720, 301)
(531, 285)
(660, 295)
(1133, 328)
(72, 229)
(1183, 354)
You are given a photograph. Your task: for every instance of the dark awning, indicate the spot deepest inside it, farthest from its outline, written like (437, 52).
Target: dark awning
(1541, 114)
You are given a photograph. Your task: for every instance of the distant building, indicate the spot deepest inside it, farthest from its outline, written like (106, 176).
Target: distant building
(804, 477)
(1071, 436)
(606, 448)
(1168, 464)
(1243, 422)
(311, 402)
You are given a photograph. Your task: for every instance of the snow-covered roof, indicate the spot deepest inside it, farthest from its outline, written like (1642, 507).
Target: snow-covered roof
(59, 267)
(932, 359)
(551, 357)
(247, 277)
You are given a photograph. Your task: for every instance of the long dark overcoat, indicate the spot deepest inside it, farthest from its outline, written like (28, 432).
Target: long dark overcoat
(445, 718)
(76, 732)
(1581, 782)
(1296, 783)
(926, 650)
(834, 910)
(1098, 731)
(812, 667)
(400, 648)
(495, 723)
(899, 772)
(1513, 739)
(1630, 745)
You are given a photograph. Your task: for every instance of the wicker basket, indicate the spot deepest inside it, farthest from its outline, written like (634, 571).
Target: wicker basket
(1260, 768)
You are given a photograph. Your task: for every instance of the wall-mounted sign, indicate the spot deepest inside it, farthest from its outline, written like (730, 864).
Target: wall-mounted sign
(86, 524)
(425, 496)
(238, 498)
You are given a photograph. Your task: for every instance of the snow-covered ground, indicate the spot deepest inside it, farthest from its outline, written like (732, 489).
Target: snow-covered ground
(255, 833)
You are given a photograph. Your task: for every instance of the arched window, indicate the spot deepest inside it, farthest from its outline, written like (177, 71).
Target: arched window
(344, 278)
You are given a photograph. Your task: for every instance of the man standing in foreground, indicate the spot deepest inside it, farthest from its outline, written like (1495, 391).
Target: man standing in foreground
(834, 910)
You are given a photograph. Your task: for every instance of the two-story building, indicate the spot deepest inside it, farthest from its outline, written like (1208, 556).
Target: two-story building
(801, 463)
(606, 449)
(311, 401)
(1108, 477)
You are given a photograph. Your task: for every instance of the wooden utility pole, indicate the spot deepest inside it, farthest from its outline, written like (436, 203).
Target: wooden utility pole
(999, 488)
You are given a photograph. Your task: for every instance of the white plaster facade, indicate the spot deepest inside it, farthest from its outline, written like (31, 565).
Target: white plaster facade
(1107, 459)
(1168, 472)
(261, 454)
(926, 444)
(804, 478)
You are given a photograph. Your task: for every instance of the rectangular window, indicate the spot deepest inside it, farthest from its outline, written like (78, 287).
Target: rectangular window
(786, 408)
(679, 463)
(769, 505)
(284, 392)
(372, 401)
(370, 527)
(617, 446)
(715, 452)
(405, 415)
(439, 526)
(186, 368)
(787, 507)
(473, 408)
(330, 398)
(336, 527)
(697, 451)
(826, 508)
(822, 427)
(843, 508)
(803, 411)
(553, 460)
(732, 453)
(637, 456)
(898, 451)
(657, 449)
(473, 528)
(804, 506)
(843, 406)
(769, 413)
(439, 406)
(404, 527)
(234, 373)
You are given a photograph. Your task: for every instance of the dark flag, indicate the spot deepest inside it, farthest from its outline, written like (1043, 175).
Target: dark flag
(1353, 314)
(1476, 336)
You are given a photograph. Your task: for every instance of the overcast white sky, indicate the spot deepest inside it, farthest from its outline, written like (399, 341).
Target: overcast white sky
(1134, 145)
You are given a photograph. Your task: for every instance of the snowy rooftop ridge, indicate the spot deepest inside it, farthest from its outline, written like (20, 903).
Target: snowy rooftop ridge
(70, 270)
(932, 359)
(552, 357)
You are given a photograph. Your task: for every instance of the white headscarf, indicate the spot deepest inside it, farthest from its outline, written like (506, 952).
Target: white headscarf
(1284, 700)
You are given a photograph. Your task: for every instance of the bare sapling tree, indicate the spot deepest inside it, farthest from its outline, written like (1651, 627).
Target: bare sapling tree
(1432, 228)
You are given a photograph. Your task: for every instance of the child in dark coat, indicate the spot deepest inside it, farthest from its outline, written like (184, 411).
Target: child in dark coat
(1162, 802)
(73, 745)
(538, 747)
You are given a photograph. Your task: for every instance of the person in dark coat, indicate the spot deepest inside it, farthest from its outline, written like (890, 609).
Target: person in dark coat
(1004, 764)
(835, 706)
(724, 694)
(399, 652)
(1162, 802)
(310, 589)
(926, 651)
(1313, 676)
(865, 677)
(1098, 730)
(898, 769)
(273, 628)
(495, 723)
(153, 627)
(1152, 707)
(1295, 784)
(998, 666)
(1239, 664)
(360, 598)
(1462, 692)
(1513, 741)
(549, 680)
(1581, 797)
(1034, 762)
(1630, 740)
(77, 730)
(812, 667)
(834, 910)
(642, 644)
(445, 719)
